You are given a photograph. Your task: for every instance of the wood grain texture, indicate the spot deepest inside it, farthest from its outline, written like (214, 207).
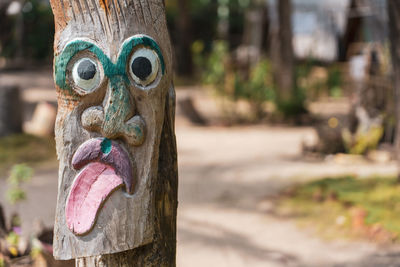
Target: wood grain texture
(131, 230)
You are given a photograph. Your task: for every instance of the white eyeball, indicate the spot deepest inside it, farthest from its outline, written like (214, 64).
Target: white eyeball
(86, 75)
(143, 66)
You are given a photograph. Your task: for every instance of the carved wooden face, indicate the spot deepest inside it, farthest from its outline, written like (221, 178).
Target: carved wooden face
(112, 71)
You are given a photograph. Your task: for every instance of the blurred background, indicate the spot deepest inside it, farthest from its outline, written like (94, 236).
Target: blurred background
(286, 131)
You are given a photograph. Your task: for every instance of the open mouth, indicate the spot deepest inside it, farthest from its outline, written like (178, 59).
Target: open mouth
(105, 167)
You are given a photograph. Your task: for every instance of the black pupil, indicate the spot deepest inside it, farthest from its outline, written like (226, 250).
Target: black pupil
(86, 69)
(141, 67)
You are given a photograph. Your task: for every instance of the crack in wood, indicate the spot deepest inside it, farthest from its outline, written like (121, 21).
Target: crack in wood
(98, 15)
(72, 9)
(63, 10)
(116, 17)
(88, 10)
(121, 11)
(78, 2)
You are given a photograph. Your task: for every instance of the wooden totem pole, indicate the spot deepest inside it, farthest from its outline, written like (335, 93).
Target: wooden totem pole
(117, 193)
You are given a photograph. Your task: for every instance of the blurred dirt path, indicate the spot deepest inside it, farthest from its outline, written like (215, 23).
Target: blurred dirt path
(226, 178)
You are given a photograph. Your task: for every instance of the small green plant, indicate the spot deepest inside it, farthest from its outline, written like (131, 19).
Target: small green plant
(20, 173)
(13, 239)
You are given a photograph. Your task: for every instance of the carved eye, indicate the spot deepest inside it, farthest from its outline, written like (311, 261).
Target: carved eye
(86, 75)
(143, 66)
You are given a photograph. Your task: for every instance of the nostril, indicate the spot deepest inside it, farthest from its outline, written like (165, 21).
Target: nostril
(92, 118)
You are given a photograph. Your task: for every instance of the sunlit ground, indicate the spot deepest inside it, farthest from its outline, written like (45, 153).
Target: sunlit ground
(230, 181)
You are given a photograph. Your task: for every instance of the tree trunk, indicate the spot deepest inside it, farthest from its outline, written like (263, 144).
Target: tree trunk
(184, 40)
(10, 110)
(255, 29)
(394, 35)
(285, 75)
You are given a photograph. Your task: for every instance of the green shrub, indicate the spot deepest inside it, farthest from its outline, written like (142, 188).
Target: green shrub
(215, 71)
(255, 87)
(322, 202)
(334, 81)
(37, 35)
(258, 88)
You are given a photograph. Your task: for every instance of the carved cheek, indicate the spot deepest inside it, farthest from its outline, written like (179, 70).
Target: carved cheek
(92, 118)
(134, 130)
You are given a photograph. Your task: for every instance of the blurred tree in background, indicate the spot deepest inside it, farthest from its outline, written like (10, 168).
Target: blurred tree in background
(284, 65)
(188, 22)
(26, 31)
(394, 26)
(254, 35)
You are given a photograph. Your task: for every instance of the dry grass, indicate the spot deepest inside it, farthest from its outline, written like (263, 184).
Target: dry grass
(23, 148)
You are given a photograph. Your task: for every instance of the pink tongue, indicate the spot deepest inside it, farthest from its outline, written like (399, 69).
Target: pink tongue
(89, 190)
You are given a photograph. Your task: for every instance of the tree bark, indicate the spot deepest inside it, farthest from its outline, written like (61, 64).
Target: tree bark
(285, 69)
(394, 35)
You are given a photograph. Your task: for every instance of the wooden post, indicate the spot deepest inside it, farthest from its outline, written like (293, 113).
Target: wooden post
(115, 137)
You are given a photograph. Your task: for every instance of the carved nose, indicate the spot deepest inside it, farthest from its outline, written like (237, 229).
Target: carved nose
(112, 119)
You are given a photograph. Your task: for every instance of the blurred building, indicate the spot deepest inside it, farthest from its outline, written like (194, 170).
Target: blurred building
(326, 30)
(367, 22)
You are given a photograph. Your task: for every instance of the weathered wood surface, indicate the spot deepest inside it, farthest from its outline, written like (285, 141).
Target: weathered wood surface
(10, 110)
(102, 93)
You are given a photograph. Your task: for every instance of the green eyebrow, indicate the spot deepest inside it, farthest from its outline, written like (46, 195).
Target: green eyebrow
(134, 41)
(74, 47)
(110, 69)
